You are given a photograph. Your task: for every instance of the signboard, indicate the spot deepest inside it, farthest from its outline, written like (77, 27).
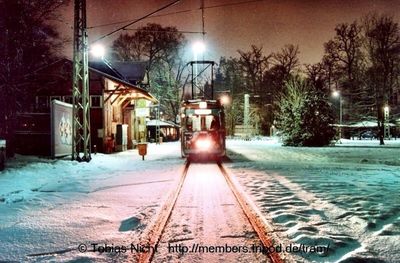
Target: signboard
(141, 103)
(142, 112)
(61, 128)
(141, 108)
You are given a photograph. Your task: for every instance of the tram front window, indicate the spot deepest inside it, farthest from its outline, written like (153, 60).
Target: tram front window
(202, 123)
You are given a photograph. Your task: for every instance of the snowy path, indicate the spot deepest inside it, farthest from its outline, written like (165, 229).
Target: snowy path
(207, 215)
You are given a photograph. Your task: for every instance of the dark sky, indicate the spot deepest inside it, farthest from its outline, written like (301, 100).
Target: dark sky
(270, 24)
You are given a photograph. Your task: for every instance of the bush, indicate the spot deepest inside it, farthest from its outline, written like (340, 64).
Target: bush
(305, 116)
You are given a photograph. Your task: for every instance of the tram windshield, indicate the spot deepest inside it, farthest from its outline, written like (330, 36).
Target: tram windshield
(202, 122)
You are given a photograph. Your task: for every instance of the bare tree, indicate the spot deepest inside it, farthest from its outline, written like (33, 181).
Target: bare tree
(230, 77)
(27, 41)
(253, 64)
(152, 43)
(287, 59)
(344, 61)
(383, 46)
(330, 63)
(318, 76)
(160, 47)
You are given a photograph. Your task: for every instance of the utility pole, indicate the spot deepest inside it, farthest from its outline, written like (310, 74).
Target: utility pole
(158, 130)
(246, 115)
(80, 86)
(202, 19)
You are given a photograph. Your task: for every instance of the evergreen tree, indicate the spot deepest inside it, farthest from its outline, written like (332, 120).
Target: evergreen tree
(305, 115)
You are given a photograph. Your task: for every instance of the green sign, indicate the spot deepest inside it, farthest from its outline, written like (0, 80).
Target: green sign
(141, 103)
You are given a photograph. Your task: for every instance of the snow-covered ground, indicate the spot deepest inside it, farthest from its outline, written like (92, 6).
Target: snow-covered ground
(346, 197)
(49, 207)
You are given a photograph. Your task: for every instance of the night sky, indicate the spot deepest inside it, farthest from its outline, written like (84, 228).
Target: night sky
(270, 24)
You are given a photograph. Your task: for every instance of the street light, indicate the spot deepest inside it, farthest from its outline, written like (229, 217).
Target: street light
(198, 48)
(225, 100)
(98, 51)
(246, 112)
(386, 122)
(336, 94)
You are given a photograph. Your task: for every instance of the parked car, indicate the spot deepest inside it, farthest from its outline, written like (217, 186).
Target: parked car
(368, 135)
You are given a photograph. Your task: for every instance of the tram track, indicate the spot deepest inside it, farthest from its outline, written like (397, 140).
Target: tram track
(253, 216)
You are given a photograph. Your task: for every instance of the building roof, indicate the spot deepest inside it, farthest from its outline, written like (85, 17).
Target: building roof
(132, 72)
(161, 123)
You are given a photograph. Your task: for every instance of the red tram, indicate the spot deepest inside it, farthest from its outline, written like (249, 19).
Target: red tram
(202, 128)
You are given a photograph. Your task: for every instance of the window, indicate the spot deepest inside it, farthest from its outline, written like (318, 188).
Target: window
(68, 99)
(42, 103)
(55, 98)
(96, 101)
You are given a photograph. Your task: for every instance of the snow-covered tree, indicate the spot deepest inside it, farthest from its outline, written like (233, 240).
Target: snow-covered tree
(305, 116)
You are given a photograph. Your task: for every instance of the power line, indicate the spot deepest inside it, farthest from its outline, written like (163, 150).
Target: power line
(137, 20)
(179, 12)
(165, 31)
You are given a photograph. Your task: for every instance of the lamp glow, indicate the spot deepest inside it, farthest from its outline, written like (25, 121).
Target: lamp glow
(225, 100)
(203, 144)
(336, 93)
(198, 47)
(98, 51)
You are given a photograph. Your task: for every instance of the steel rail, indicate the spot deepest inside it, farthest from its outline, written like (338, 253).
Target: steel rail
(156, 231)
(255, 219)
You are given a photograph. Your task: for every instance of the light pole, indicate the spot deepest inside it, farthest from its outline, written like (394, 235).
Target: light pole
(336, 94)
(246, 114)
(386, 122)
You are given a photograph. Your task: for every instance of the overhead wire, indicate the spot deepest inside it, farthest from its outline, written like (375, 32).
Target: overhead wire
(136, 20)
(179, 12)
(164, 31)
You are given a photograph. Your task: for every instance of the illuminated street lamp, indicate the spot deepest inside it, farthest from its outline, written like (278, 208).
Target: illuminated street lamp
(98, 51)
(225, 100)
(336, 94)
(386, 121)
(198, 48)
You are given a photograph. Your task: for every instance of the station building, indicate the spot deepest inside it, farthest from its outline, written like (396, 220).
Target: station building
(116, 91)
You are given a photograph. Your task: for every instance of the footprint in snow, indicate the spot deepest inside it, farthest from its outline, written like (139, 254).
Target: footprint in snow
(129, 224)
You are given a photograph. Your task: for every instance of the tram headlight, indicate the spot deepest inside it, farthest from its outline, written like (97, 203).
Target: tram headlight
(203, 144)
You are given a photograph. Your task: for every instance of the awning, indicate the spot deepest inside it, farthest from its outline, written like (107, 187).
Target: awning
(124, 90)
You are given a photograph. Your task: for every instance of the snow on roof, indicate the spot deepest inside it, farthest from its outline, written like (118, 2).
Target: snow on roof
(133, 72)
(161, 123)
(367, 124)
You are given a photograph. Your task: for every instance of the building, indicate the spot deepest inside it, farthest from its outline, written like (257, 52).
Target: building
(116, 91)
(169, 131)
